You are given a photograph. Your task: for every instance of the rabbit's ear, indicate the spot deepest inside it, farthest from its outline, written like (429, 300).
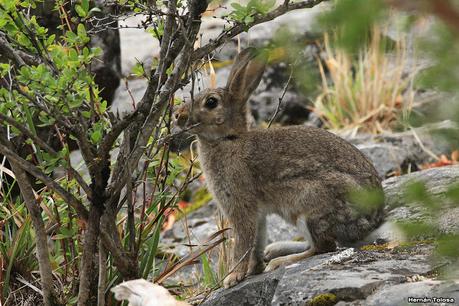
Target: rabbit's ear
(246, 73)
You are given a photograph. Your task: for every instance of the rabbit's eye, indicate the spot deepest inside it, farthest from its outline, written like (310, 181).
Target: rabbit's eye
(211, 103)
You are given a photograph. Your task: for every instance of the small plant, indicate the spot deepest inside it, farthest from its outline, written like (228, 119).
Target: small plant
(245, 14)
(369, 92)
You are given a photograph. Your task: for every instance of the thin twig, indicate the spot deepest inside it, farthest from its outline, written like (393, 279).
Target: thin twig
(281, 98)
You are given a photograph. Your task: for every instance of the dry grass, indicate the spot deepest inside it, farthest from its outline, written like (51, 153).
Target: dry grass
(369, 93)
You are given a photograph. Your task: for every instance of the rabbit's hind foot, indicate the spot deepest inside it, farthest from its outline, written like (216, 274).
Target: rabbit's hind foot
(289, 259)
(284, 248)
(233, 279)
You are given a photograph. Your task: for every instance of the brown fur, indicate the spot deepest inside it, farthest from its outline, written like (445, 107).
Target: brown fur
(301, 173)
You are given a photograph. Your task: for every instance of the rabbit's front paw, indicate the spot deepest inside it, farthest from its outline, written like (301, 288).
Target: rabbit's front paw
(233, 279)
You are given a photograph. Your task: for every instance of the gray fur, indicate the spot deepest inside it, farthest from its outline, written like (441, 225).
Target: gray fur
(298, 172)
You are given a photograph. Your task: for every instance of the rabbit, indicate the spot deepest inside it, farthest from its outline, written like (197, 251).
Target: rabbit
(304, 174)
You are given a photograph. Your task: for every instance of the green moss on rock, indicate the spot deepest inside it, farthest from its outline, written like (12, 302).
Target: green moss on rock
(325, 299)
(375, 247)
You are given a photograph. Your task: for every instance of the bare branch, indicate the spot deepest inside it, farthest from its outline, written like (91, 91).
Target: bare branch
(9, 52)
(109, 234)
(42, 254)
(281, 98)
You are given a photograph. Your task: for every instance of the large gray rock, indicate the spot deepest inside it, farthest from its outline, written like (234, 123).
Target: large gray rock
(349, 276)
(384, 156)
(436, 181)
(194, 229)
(257, 290)
(399, 294)
(352, 279)
(403, 152)
(269, 102)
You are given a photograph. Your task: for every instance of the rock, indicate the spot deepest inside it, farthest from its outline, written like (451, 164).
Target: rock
(133, 35)
(354, 278)
(202, 223)
(436, 180)
(385, 157)
(195, 230)
(128, 94)
(400, 294)
(257, 290)
(448, 221)
(393, 151)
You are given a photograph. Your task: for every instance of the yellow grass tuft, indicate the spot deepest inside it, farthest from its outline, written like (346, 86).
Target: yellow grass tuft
(369, 93)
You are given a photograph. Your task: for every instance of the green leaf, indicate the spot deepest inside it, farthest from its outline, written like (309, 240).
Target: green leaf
(71, 37)
(4, 69)
(96, 136)
(86, 114)
(81, 30)
(366, 200)
(23, 40)
(209, 276)
(138, 69)
(86, 52)
(147, 264)
(73, 55)
(80, 11)
(95, 10)
(3, 22)
(416, 230)
(103, 107)
(416, 192)
(448, 245)
(248, 19)
(85, 5)
(75, 102)
(65, 232)
(50, 39)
